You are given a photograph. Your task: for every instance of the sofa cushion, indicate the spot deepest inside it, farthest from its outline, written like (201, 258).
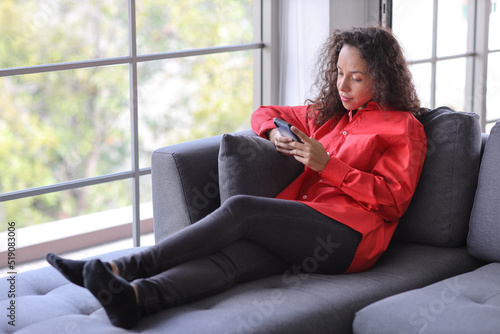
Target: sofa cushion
(250, 165)
(440, 209)
(46, 302)
(468, 303)
(484, 230)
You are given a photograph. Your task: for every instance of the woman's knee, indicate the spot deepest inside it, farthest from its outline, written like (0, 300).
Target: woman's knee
(242, 202)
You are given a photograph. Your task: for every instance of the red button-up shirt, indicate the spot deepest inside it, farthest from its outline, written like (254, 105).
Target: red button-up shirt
(376, 159)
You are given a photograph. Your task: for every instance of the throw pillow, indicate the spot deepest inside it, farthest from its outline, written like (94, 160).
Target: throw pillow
(250, 165)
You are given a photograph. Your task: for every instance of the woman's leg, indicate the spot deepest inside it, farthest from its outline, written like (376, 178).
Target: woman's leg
(291, 230)
(248, 238)
(125, 303)
(239, 262)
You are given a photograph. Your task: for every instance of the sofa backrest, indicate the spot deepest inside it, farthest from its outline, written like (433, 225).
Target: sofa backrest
(483, 241)
(439, 212)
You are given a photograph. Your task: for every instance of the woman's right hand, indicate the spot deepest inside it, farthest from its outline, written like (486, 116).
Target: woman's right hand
(282, 143)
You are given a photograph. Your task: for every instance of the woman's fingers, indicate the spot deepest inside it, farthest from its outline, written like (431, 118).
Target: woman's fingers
(311, 152)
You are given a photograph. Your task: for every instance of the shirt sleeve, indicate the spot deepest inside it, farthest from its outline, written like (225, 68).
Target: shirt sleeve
(262, 118)
(388, 188)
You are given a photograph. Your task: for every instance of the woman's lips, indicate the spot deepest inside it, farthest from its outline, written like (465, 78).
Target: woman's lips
(345, 99)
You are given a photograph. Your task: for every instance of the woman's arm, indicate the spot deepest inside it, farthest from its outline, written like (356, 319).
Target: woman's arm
(262, 118)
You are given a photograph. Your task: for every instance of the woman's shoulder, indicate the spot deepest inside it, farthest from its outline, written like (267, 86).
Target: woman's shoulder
(393, 122)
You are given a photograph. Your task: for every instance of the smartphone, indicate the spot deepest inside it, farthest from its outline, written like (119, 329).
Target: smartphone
(285, 129)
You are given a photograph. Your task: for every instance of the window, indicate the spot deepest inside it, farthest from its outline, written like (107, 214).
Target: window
(88, 89)
(454, 60)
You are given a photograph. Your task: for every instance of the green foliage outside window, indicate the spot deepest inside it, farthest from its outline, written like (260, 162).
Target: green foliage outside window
(69, 125)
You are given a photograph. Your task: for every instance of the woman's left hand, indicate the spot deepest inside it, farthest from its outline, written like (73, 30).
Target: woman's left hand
(310, 152)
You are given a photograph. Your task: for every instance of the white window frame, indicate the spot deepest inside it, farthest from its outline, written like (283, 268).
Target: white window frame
(362, 12)
(476, 56)
(265, 85)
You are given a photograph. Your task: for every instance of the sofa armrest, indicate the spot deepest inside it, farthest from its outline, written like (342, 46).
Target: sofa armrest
(185, 183)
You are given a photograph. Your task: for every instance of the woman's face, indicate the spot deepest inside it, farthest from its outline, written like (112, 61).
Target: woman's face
(354, 84)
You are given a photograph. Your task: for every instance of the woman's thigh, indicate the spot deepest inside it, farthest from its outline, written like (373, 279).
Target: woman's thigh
(297, 233)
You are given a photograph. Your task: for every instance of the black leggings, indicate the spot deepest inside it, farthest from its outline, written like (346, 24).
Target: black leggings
(245, 239)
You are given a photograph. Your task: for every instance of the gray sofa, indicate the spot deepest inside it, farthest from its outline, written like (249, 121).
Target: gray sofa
(467, 303)
(191, 179)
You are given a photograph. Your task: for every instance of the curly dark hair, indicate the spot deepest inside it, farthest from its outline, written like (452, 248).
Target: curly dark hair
(386, 64)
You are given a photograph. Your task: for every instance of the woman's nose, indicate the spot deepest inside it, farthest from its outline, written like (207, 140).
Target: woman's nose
(341, 85)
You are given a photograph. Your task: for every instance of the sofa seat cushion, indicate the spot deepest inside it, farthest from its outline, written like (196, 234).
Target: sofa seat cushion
(467, 303)
(47, 303)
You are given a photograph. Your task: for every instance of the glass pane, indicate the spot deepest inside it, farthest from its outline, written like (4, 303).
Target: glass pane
(195, 97)
(493, 88)
(452, 27)
(63, 126)
(422, 79)
(169, 25)
(42, 32)
(93, 205)
(494, 39)
(450, 83)
(412, 24)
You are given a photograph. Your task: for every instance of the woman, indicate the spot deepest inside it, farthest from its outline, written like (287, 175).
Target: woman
(363, 152)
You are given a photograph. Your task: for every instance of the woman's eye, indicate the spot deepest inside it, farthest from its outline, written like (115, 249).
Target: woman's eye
(356, 79)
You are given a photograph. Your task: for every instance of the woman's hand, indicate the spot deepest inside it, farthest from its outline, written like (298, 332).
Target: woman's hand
(311, 152)
(282, 143)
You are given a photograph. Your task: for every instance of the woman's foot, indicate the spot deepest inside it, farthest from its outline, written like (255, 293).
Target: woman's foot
(71, 269)
(116, 295)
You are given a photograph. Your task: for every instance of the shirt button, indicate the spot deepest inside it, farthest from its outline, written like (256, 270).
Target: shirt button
(344, 132)
(320, 180)
(304, 197)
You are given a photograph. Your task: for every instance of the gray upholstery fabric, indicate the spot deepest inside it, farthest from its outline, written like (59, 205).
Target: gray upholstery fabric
(48, 303)
(440, 209)
(484, 230)
(185, 183)
(468, 303)
(182, 193)
(288, 304)
(250, 165)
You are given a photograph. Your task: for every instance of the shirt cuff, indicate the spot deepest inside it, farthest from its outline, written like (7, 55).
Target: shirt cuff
(267, 126)
(335, 171)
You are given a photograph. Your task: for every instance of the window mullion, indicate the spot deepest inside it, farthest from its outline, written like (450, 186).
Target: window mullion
(136, 226)
(481, 60)
(434, 55)
(257, 54)
(471, 48)
(270, 53)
